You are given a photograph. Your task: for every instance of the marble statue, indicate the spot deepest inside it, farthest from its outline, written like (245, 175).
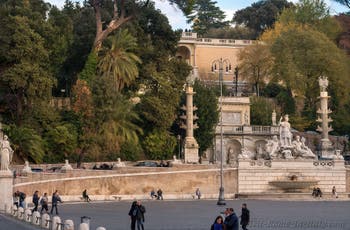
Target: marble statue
(6, 154)
(66, 166)
(175, 160)
(119, 163)
(246, 154)
(273, 118)
(338, 155)
(323, 83)
(301, 150)
(27, 168)
(272, 147)
(285, 132)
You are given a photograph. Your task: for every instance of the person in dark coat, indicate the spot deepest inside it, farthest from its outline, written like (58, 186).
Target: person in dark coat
(245, 216)
(132, 214)
(218, 224)
(36, 201)
(55, 199)
(231, 220)
(140, 215)
(159, 194)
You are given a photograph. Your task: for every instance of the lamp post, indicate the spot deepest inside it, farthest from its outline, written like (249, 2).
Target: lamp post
(236, 76)
(222, 63)
(179, 147)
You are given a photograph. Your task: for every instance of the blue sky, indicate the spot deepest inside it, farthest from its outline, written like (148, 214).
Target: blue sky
(178, 21)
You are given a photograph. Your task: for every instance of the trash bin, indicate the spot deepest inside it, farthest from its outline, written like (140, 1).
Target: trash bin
(85, 219)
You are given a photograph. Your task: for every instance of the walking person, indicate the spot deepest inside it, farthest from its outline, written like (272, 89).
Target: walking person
(132, 214)
(44, 201)
(140, 215)
(55, 199)
(198, 193)
(35, 201)
(334, 192)
(245, 216)
(159, 194)
(218, 224)
(231, 220)
(86, 196)
(22, 198)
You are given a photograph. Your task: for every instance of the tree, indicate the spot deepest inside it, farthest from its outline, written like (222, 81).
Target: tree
(28, 144)
(255, 64)
(261, 15)
(208, 115)
(206, 15)
(343, 2)
(260, 110)
(123, 12)
(118, 61)
(312, 13)
(25, 74)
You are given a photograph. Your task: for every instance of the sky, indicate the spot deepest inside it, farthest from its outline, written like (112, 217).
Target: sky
(178, 21)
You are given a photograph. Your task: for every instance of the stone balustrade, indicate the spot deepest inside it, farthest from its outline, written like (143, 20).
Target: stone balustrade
(248, 129)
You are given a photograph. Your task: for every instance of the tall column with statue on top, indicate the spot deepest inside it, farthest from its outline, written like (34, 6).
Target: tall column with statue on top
(6, 175)
(191, 145)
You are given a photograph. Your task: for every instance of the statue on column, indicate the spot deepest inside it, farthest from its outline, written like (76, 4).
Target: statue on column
(6, 154)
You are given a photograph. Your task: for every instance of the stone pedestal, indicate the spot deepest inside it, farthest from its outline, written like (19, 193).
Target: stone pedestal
(6, 190)
(191, 150)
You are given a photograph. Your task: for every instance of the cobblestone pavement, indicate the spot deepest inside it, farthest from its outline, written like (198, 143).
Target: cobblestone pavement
(199, 214)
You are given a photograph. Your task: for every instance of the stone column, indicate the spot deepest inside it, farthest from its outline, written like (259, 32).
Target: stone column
(191, 145)
(327, 149)
(6, 190)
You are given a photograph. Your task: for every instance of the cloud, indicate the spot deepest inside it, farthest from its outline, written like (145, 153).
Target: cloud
(175, 16)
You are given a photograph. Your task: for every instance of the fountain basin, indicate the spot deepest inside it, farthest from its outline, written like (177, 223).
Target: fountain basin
(293, 185)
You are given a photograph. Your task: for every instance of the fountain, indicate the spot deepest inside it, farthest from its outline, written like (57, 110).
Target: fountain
(293, 184)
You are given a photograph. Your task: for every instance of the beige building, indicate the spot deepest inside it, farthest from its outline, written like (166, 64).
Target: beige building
(204, 55)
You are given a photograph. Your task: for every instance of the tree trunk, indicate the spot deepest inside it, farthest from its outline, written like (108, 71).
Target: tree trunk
(114, 24)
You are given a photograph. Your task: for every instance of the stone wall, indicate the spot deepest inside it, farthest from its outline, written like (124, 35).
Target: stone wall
(256, 176)
(132, 182)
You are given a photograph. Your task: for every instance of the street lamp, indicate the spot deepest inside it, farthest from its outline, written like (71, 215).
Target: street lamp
(221, 63)
(236, 76)
(179, 147)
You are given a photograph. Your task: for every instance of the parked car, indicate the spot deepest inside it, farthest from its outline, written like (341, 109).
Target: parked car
(54, 169)
(147, 164)
(37, 170)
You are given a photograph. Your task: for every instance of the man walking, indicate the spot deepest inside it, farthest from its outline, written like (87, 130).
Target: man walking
(245, 216)
(231, 220)
(35, 201)
(137, 216)
(55, 199)
(44, 201)
(140, 217)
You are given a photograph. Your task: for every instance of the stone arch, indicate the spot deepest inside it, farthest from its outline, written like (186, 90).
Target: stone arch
(233, 149)
(184, 53)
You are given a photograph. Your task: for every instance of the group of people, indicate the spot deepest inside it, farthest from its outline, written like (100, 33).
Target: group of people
(316, 192)
(19, 201)
(231, 221)
(158, 196)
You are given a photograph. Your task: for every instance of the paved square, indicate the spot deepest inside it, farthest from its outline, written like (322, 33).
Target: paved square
(199, 214)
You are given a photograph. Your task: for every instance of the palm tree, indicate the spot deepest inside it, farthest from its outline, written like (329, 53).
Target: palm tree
(117, 60)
